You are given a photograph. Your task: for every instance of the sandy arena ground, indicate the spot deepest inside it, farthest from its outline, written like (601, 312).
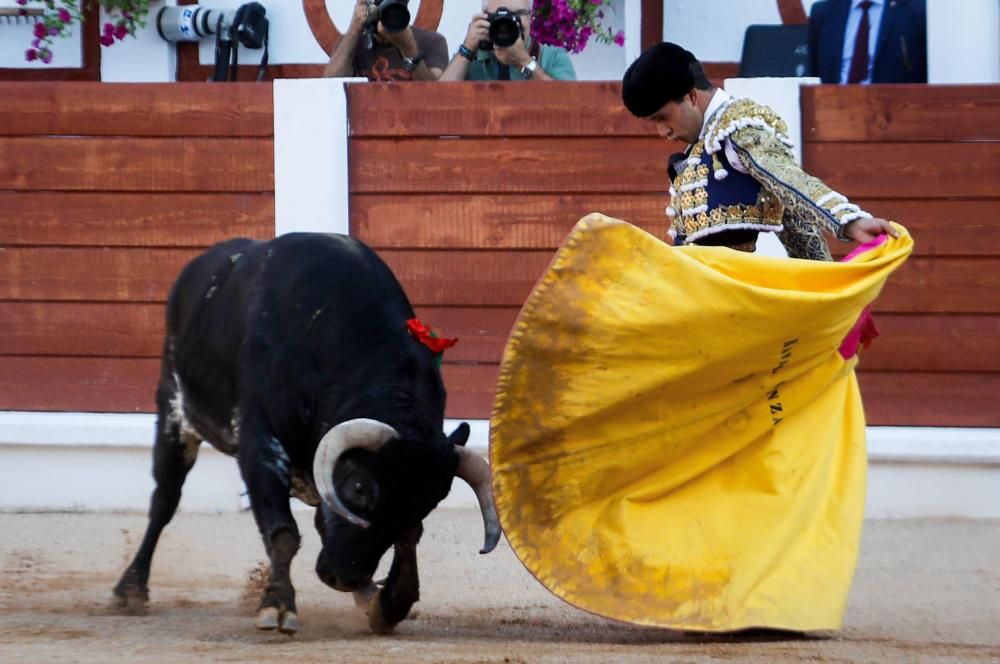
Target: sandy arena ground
(926, 591)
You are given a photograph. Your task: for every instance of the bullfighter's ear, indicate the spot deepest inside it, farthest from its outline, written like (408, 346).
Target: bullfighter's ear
(460, 435)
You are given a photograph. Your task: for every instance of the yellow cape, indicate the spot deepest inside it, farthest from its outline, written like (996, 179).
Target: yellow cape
(676, 440)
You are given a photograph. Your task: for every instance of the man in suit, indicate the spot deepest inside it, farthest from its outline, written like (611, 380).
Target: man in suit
(869, 41)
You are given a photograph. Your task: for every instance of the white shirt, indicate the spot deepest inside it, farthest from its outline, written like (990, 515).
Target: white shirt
(718, 99)
(851, 32)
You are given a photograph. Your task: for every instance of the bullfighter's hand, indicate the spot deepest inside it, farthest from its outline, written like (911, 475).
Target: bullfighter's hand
(867, 229)
(516, 55)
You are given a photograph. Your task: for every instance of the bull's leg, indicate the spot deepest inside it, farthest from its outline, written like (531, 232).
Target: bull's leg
(174, 454)
(265, 469)
(392, 602)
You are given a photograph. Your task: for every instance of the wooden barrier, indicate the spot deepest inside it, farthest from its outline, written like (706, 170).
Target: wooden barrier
(466, 190)
(929, 157)
(105, 192)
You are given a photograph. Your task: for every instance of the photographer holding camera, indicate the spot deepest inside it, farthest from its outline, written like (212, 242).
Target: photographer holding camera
(381, 45)
(498, 47)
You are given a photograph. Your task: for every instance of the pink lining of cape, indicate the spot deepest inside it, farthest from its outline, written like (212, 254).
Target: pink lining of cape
(864, 331)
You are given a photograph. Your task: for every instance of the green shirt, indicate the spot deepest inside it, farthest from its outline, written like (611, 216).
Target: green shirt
(554, 60)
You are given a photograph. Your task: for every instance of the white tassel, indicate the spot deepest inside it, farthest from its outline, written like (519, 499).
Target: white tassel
(721, 174)
(671, 212)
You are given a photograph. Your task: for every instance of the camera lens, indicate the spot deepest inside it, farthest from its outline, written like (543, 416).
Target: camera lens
(394, 16)
(505, 30)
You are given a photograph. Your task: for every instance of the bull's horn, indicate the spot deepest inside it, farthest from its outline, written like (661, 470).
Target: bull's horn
(359, 433)
(473, 469)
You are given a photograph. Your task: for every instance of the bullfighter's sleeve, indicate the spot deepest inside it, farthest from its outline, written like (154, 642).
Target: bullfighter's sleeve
(810, 204)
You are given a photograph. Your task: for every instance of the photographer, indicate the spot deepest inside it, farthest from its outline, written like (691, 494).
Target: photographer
(478, 59)
(368, 50)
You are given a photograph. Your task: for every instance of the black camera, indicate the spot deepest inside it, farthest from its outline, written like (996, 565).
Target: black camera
(392, 14)
(505, 29)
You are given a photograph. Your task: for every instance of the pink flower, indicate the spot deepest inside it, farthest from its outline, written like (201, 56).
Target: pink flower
(40, 30)
(53, 31)
(121, 31)
(620, 38)
(30, 54)
(109, 29)
(22, 2)
(107, 39)
(64, 15)
(46, 55)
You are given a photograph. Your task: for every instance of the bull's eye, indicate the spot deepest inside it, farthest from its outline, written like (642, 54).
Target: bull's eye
(356, 487)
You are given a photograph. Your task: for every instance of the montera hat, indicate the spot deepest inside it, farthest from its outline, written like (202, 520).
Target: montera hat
(661, 74)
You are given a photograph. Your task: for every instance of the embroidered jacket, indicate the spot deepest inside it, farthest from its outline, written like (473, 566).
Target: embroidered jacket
(765, 191)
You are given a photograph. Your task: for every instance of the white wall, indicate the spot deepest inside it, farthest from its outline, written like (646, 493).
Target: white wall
(963, 41)
(149, 59)
(15, 39)
(713, 29)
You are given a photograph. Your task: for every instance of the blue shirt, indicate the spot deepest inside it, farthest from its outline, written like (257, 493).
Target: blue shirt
(853, 21)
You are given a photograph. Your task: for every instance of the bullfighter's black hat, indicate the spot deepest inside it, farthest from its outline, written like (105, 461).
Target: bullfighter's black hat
(661, 74)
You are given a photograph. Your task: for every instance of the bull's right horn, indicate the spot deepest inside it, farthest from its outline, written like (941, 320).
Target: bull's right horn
(361, 433)
(473, 469)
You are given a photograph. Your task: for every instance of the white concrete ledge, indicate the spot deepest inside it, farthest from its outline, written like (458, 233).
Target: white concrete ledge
(100, 461)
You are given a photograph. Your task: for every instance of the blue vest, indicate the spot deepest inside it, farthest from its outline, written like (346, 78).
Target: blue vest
(708, 196)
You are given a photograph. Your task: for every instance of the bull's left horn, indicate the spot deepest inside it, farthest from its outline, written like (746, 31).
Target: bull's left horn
(360, 433)
(473, 469)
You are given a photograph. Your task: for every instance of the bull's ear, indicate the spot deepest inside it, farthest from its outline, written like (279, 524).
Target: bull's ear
(460, 435)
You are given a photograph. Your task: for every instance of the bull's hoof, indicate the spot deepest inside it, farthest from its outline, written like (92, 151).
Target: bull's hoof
(130, 600)
(377, 621)
(286, 622)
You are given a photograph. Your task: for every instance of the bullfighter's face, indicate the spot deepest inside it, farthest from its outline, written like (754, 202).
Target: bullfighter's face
(679, 120)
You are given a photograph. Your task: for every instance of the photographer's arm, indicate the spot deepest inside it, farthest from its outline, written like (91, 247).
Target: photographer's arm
(406, 43)
(458, 68)
(516, 56)
(342, 60)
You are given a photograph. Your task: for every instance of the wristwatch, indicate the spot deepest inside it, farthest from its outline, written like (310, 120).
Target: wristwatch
(409, 64)
(528, 70)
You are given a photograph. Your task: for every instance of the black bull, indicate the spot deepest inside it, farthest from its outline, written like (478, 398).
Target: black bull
(293, 356)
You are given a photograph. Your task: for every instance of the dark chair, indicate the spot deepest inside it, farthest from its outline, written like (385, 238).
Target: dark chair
(775, 50)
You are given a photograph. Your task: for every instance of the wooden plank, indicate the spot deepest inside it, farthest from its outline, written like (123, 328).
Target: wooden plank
(441, 278)
(919, 342)
(932, 399)
(505, 278)
(127, 329)
(132, 219)
(891, 398)
(718, 72)
(128, 385)
(470, 390)
(942, 227)
(481, 331)
(97, 329)
(529, 165)
(137, 164)
(557, 108)
(136, 109)
(95, 274)
(900, 113)
(943, 285)
(906, 170)
(502, 221)
(467, 278)
(92, 385)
